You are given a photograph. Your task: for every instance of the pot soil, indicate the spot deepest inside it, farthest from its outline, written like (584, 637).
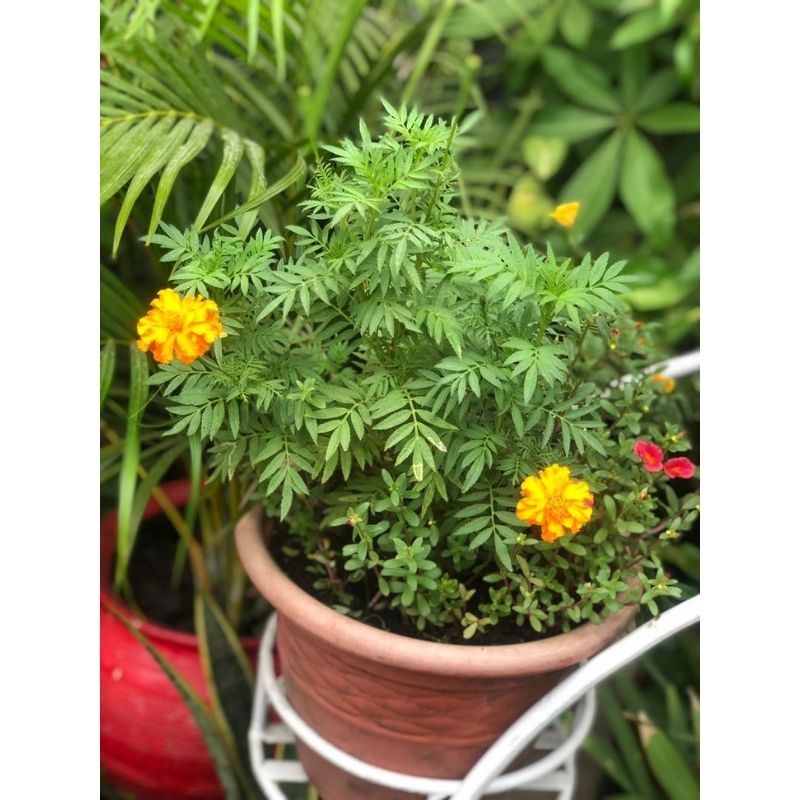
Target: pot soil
(400, 703)
(149, 742)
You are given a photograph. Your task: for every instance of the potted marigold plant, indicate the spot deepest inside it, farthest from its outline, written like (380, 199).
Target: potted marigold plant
(460, 464)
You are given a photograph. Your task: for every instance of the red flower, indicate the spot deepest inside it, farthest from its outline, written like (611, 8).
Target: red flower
(679, 468)
(651, 454)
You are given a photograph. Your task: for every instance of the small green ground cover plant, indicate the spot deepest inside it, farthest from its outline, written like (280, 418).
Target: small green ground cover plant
(450, 426)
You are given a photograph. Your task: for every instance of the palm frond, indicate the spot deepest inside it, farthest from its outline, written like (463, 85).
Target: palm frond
(226, 96)
(159, 112)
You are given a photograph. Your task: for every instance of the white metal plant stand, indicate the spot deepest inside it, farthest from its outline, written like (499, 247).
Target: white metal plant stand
(539, 727)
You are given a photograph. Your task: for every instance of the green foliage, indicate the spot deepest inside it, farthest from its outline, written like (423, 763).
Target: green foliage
(391, 371)
(589, 101)
(654, 748)
(219, 102)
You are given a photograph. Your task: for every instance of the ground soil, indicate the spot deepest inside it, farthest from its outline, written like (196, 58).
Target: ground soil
(391, 619)
(158, 600)
(150, 577)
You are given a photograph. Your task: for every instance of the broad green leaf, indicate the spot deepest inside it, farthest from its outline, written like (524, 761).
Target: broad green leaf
(634, 71)
(583, 81)
(544, 155)
(677, 714)
(694, 706)
(664, 294)
(212, 736)
(233, 146)
(627, 743)
(606, 755)
(594, 184)
(107, 358)
(575, 23)
(229, 678)
(646, 190)
(194, 144)
(480, 20)
(659, 89)
(672, 118)
(670, 768)
(685, 556)
(640, 27)
(572, 124)
(137, 398)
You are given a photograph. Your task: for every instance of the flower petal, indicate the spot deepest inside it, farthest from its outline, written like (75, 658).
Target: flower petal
(679, 468)
(651, 454)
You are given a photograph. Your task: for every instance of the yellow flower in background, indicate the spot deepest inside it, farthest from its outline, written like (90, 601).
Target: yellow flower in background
(555, 501)
(178, 326)
(667, 383)
(566, 214)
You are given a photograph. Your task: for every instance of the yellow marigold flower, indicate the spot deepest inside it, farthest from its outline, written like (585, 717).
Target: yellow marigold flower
(178, 326)
(566, 214)
(667, 383)
(555, 501)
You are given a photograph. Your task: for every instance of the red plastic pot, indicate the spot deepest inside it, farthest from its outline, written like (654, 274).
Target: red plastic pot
(149, 742)
(400, 703)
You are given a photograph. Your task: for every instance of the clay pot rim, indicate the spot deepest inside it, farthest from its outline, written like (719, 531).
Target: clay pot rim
(545, 655)
(178, 493)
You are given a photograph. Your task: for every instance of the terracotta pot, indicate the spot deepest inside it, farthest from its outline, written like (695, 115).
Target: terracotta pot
(400, 703)
(149, 742)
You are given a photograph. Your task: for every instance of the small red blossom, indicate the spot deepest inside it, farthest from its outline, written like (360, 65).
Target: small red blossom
(651, 454)
(679, 468)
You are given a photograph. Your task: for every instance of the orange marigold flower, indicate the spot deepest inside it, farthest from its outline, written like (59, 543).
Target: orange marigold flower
(651, 454)
(566, 214)
(556, 502)
(178, 326)
(679, 468)
(667, 383)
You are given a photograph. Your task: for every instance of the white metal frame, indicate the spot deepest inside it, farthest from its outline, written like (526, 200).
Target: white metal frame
(538, 727)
